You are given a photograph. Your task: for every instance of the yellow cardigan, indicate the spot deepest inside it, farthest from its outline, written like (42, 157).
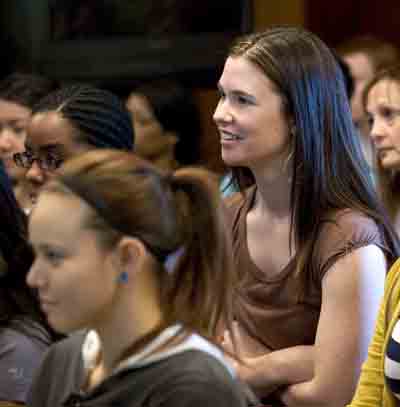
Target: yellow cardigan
(372, 390)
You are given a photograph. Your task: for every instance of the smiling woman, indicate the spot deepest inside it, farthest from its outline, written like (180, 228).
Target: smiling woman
(311, 241)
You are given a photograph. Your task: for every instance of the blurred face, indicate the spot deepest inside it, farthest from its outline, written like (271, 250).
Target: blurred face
(383, 109)
(253, 129)
(13, 121)
(362, 71)
(52, 138)
(149, 134)
(74, 276)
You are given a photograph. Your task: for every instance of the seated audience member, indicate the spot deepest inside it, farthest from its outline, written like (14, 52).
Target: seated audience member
(68, 122)
(381, 102)
(228, 186)
(365, 55)
(311, 240)
(24, 333)
(167, 124)
(139, 258)
(18, 93)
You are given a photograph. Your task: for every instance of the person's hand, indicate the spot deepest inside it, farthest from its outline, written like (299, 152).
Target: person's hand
(248, 369)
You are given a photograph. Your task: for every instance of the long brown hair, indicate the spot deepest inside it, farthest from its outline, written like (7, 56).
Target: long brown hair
(167, 212)
(329, 170)
(388, 180)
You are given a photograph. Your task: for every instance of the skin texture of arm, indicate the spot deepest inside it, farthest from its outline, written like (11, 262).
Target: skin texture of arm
(351, 293)
(326, 374)
(9, 404)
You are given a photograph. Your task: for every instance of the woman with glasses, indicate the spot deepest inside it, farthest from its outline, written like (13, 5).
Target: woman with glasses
(139, 258)
(68, 122)
(19, 92)
(24, 333)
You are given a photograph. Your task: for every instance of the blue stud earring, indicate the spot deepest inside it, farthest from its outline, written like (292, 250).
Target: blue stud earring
(123, 277)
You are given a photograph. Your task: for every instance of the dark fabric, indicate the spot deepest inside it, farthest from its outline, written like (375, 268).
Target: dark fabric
(270, 310)
(21, 351)
(191, 378)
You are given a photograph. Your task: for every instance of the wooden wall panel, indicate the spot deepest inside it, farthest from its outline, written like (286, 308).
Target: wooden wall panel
(337, 21)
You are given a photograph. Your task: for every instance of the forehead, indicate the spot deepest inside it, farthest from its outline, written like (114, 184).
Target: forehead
(10, 111)
(48, 129)
(386, 91)
(241, 74)
(51, 218)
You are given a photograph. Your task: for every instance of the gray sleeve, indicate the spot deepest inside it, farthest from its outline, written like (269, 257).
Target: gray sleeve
(20, 356)
(202, 394)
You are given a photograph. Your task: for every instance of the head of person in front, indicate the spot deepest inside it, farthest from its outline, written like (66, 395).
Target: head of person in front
(306, 223)
(138, 257)
(68, 122)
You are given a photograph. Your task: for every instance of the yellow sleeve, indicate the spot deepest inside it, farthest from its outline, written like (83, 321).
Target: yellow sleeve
(370, 390)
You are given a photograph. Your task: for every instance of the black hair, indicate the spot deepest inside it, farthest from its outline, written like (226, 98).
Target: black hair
(25, 89)
(98, 115)
(175, 109)
(17, 301)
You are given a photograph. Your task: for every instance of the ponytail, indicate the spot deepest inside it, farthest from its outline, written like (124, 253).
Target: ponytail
(198, 292)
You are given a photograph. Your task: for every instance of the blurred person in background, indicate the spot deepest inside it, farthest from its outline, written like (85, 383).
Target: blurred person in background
(381, 101)
(365, 56)
(19, 92)
(167, 124)
(24, 332)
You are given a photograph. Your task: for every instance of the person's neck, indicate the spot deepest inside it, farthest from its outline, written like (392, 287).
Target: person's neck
(131, 327)
(273, 191)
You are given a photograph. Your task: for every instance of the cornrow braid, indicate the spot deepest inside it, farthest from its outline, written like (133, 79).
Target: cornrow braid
(100, 117)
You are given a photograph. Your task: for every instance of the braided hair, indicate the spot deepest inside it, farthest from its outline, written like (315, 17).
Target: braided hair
(99, 116)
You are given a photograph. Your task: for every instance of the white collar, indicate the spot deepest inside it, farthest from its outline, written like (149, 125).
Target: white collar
(92, 346)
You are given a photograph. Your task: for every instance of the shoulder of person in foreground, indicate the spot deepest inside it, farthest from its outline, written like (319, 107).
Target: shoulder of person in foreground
(21, 352)
(196, 379)
(57, 372)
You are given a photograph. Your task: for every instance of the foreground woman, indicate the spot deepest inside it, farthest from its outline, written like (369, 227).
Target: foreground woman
(140, 259)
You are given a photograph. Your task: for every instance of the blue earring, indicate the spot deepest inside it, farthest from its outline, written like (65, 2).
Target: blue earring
(123, 277)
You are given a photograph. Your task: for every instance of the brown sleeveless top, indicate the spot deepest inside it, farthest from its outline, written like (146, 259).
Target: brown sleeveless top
(270, 310)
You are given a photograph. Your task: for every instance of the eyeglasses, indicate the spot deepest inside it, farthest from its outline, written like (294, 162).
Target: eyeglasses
(47, 163)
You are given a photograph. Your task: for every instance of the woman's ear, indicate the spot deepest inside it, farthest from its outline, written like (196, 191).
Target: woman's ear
(128, 255)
